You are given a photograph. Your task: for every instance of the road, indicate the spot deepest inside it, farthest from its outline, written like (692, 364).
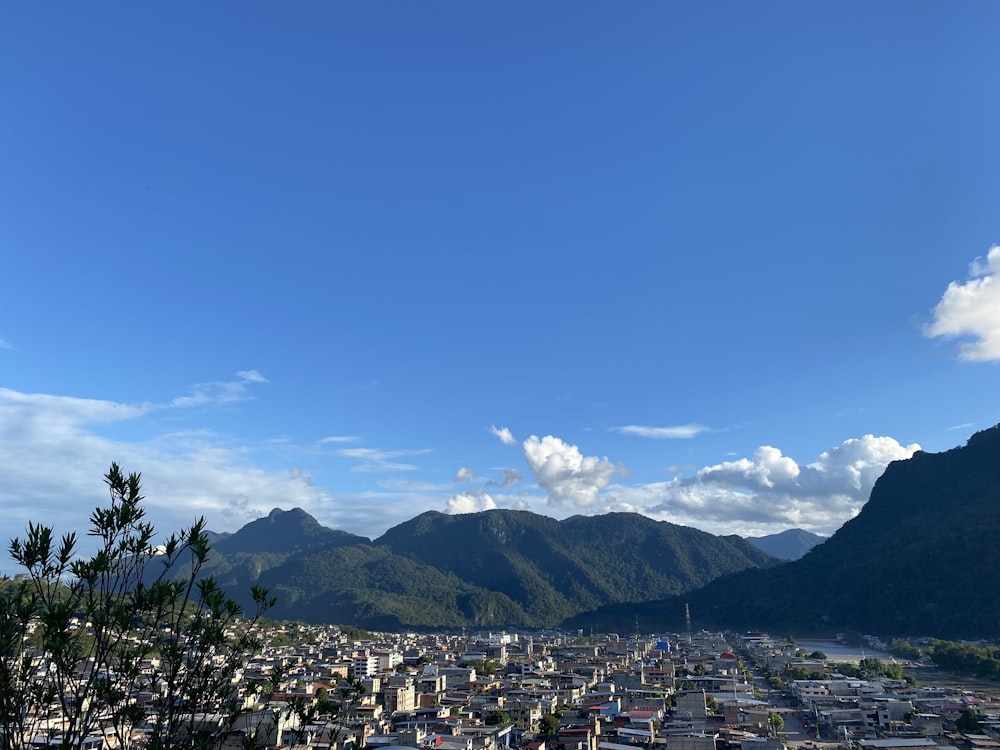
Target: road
(793, 733)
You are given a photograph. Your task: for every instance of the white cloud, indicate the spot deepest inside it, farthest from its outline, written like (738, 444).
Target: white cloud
(566, 474)
(52, 460)
(58, 413)
(767, 468)
(465, 474)
(374, 460)
(971, 310)
(768, 492)
(4, 344)
(676, 432)
(505, 435)
(339, 439)
(473, 501)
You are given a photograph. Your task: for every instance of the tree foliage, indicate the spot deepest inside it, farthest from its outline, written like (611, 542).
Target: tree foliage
(968, 722)
(130, 636)
(482, 667)
(354, 633)
(548, 726)
(963, 658)
(498, 719)
(776, 721)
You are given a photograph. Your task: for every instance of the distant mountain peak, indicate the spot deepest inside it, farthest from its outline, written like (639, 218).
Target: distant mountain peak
(293, 513)
(790, 544)
(286, 530)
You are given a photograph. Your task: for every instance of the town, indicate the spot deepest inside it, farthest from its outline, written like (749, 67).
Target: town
(559, 691)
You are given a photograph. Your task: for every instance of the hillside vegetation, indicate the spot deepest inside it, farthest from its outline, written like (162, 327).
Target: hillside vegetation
(921, 558)
(495, 568)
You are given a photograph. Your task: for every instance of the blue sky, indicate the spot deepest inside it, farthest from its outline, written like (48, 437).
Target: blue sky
(717, 263)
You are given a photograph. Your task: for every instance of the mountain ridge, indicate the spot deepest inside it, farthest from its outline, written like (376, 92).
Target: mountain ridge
(497, 567)
(920, 559)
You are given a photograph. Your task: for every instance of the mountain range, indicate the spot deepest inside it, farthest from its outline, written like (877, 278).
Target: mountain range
(494, 568)
(920, 558)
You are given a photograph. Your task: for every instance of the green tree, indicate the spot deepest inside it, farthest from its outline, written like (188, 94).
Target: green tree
(548, 726)
(131, 616)
(795, 673)
(776, 721)
(482, 667)
(354, 633)
(968, 722)
(498, 718)
(905, 649)
(847, 669)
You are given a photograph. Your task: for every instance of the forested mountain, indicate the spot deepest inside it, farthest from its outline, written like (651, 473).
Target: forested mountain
(238, 560)
(498, 567)
(550, 567)
(788, 545)
(921, 559)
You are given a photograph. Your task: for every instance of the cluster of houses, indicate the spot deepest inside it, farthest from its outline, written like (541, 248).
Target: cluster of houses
(498, 690)
(557, 691)
(880, 713)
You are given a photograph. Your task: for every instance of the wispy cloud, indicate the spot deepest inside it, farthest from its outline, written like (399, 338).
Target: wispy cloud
(252, 376)
(510, 477)
(220, 392)
(4, 344)
(395, 484)
(675, 432)
(505, 435)
(375, 460)
(52, 458)
(971, 310)
(339, 439)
